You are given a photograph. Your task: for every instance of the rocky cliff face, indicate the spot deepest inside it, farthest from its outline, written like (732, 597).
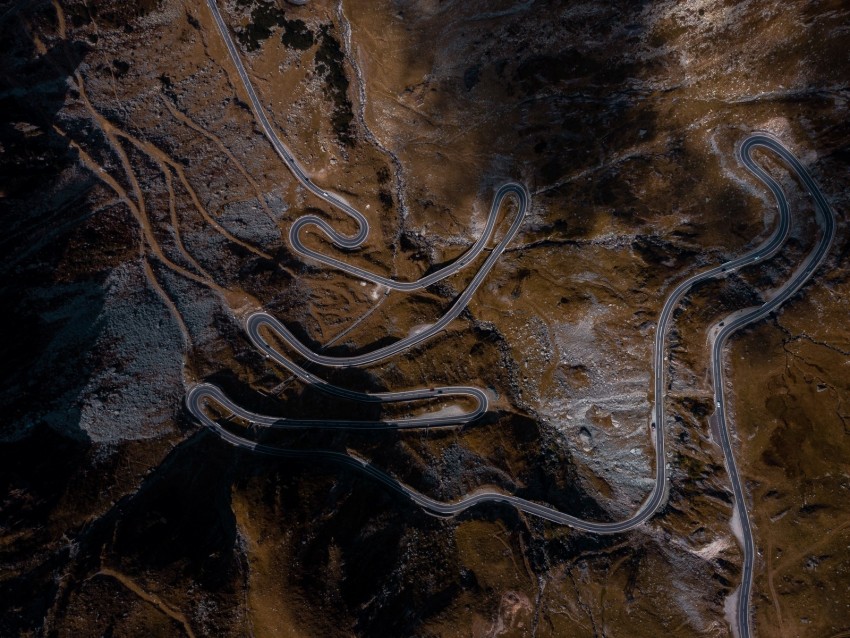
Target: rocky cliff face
(146, 215)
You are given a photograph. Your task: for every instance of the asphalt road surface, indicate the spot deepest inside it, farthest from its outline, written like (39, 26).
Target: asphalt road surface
(200, 394)
(740, 319)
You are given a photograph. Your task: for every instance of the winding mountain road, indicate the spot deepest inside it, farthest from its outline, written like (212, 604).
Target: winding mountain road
(720, 335)
(199, 395)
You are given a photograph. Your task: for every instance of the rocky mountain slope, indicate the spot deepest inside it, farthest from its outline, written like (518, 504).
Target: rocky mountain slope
(145, 215)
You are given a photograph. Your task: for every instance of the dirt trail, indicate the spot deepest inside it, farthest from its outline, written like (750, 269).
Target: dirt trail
(185, 119)
(153, 599)
(60, 20)
(175, 224)
(187, 339)
(89, 162)
(773, 596)
(164, 161)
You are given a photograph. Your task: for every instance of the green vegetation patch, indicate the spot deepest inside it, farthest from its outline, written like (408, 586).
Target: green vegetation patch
(329, 65)
(297, 35)
(265, 19)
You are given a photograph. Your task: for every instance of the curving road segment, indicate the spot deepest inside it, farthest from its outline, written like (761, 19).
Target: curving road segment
(199, 395)
(720, 335)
